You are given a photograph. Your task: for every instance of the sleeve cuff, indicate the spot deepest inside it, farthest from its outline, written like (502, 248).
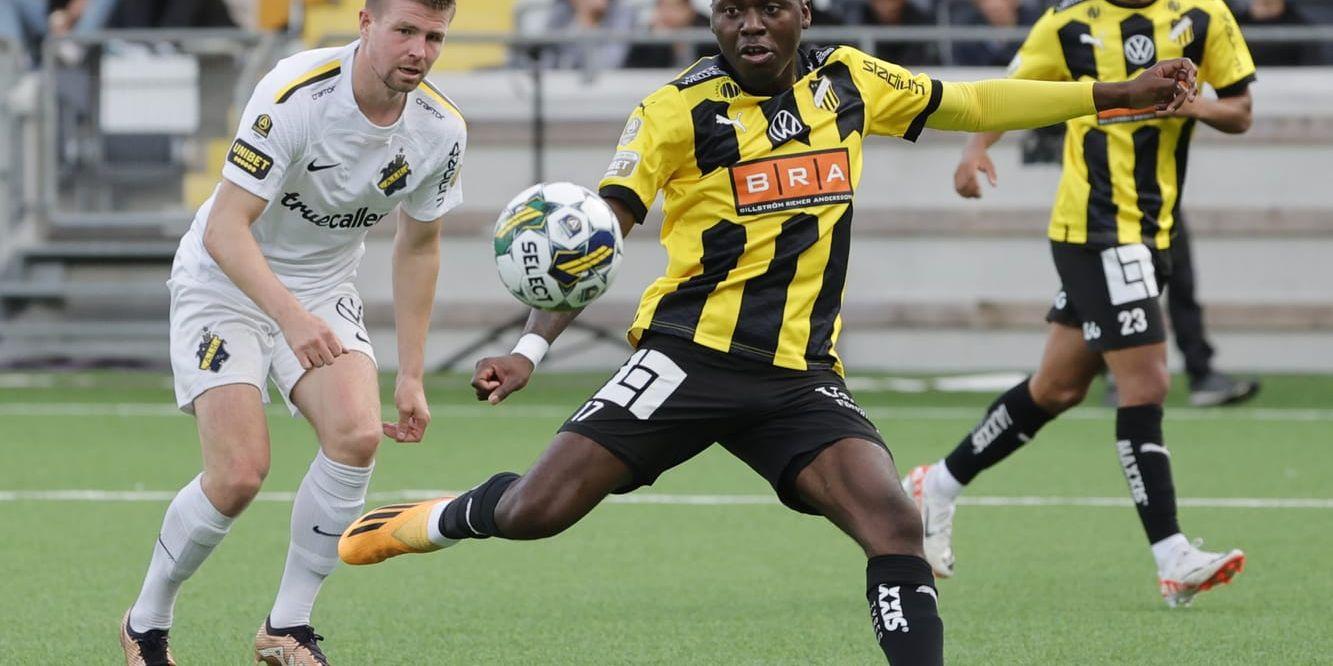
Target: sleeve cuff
(628, 197)
(919, 122)
(1237, 88)
(247, 183)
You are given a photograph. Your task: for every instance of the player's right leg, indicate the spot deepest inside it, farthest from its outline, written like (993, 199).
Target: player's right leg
(219, 358)
(660, 409)
(234, 439)
(571, 477)
(1061, 382)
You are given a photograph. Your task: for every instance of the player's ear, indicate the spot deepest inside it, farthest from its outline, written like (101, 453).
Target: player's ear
(365, 20)
(806, 18)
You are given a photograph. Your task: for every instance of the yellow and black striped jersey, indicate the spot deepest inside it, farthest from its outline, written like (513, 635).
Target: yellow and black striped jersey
(758, 198)
(1124, 169)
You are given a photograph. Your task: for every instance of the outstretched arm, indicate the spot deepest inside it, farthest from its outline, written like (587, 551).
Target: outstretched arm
(1006, 104)
(496, 377)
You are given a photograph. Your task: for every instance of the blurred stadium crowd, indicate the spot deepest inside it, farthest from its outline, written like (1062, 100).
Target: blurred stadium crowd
(30, 21)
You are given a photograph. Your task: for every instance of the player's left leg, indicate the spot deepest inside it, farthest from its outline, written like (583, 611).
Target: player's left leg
(1183, 569)
(1126, 311)
(823, 456)
(853, 483)
(342, 403)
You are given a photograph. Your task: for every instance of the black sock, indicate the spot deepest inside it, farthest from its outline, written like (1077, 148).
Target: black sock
(904, 610)
(1147, 465)
(1010, 422)
(472, 514)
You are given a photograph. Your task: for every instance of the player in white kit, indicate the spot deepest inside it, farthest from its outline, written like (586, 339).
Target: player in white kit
(332, 143)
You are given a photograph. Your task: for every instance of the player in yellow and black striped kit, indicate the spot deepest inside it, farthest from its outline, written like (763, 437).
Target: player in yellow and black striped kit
(1112, 225)
(758, 152)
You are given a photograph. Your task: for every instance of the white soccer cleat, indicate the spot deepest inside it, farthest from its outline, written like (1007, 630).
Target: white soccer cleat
(1192, 571)
(936, 521)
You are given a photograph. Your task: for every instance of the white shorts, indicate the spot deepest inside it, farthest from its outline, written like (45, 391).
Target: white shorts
(219, 336)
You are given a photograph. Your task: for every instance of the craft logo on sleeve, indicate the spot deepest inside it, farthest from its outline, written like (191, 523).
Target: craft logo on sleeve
(792, 181)
(251, 160)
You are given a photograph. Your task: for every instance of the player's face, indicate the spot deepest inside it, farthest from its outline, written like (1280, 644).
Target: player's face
(759, 38)
(403, 41)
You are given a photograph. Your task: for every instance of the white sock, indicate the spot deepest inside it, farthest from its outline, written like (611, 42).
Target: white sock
(433, 526)
(1165, 550)
(190, 531)
(331, 496)
(941, 483)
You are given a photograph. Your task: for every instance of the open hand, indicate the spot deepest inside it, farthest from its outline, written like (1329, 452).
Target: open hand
(965, 181)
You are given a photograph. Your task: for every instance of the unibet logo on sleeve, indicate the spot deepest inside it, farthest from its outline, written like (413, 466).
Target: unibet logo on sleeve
(250, 159)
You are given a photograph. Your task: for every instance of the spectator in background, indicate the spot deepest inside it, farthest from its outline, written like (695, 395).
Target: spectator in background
(894, 12)
(28, 22)
(1279, 54)
(67, 16)
(670, 16)
(23, 22)
(613, 15)
(172, 14)
(999, 13)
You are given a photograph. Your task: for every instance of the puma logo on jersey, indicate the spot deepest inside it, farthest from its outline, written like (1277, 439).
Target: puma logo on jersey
(733, 122)
(1085, 38)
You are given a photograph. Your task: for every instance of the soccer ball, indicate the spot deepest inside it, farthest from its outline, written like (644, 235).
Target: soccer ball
(557, 246)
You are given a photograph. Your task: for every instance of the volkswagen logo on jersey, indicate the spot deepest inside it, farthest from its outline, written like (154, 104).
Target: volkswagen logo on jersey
(1139, 49)
(784, 127)
(394, 176)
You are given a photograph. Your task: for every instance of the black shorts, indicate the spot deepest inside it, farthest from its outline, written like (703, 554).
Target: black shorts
(1111, 293)
(674, 398)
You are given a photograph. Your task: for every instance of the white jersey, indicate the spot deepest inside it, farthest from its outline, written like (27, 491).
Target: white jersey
(328, 173)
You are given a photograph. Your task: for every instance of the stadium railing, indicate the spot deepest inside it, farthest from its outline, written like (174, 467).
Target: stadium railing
(88, 173)
(11, 193)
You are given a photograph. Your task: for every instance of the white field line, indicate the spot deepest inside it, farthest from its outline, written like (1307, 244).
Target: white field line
(687, 500)
(546, 411)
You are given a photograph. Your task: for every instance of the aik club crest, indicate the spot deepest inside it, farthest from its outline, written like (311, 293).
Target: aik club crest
(394, 176)
(212, 351)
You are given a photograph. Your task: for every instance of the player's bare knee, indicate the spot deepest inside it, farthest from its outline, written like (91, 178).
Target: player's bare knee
(893, 533)
(354, 444)
(232, 487)
(1056, 397)
(1145, 389)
